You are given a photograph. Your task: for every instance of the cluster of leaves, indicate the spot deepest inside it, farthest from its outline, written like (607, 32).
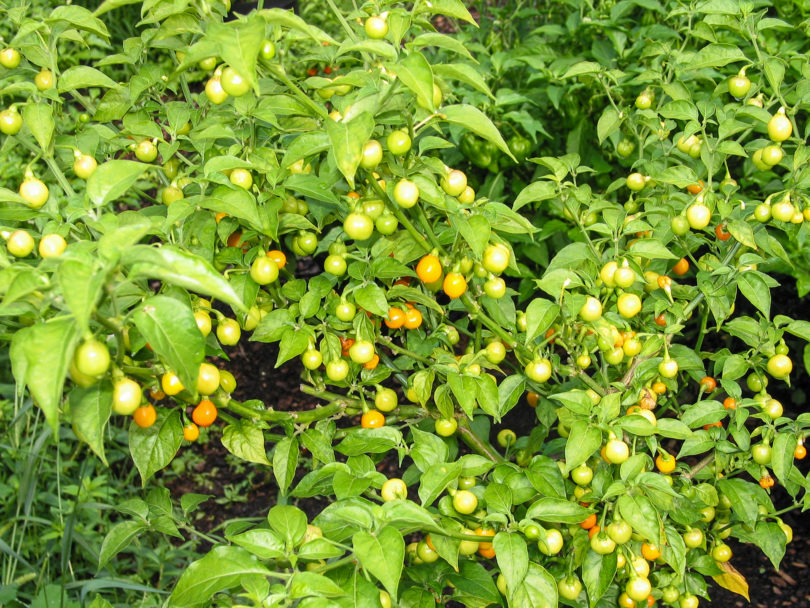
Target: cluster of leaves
(229, 160)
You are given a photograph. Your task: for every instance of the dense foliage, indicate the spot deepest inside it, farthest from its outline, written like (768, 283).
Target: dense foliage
(567, 222)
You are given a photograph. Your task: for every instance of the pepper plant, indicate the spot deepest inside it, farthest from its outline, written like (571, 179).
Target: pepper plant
(264, 178)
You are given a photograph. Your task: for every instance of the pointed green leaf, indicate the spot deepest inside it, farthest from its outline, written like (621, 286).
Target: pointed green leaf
(154, 447)
(348, 139)
(285, 461)
(169, 327)
(38, 118)
(90, 410)
(40, 356)
(381, 556)
(83, 77)
(177, 267)
(246, 441)
(476, 121)
(415, 73)
(112, 179)
(222, 569)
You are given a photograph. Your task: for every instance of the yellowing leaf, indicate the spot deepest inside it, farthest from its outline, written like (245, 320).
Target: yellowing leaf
(732, 580)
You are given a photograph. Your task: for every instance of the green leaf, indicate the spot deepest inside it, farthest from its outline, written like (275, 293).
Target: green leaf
(263, 543)
(239, 43)
(382, 556)
(305, 584)
(239, 204)
(285, 461)
(538, 589)
(428, 448)
(40, 356)
(639, 511)
(714, 56)
(651, 249)
(540, 315)
(597, 574)
(557, 510)
(154, 448)
(582, 68)
(90, 410)
(774, 72)
(293, 343)
(245, 440)
(169, 327)
(672, 428)
(487, 394)
(442, 41)
(83, 77)
(545, 477)
(582, 442)
(369, 441)
(464, 390)
(119, 538)
(475, 229)
(537, 191)
(769, 537)
(680, 109)
(311, 186)
(577, 401)
(476, 121)
(348, 139)
(756, 290)
(451, 8)
(289, 521)
(742, 231)
(371, 297)
(415, 73)
(381, 48)
(609, 123)
(474, 585)
(498, 497)
(465, 73)
(222, 569)
(182, 269)
(510, 390)
(513, 558)
(290, 20)
(407, 513)
(80, 18)
(434, 481)
(306, 144)
(81, 287)
(783, 447)
(39, 119)
(113, 179)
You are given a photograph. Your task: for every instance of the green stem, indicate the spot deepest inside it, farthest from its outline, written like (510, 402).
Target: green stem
(302, 97)
(475, 309)
(704, 320)
(60, 177)
(314, 392)
(401, 378)
(304, 417)
(589, 381)
(699, 466)
(701, 296)
(404, 351)
(339, 14)
(203, 535)
(401, 217)
(349, 559)
(476, 443)
(420, 213)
